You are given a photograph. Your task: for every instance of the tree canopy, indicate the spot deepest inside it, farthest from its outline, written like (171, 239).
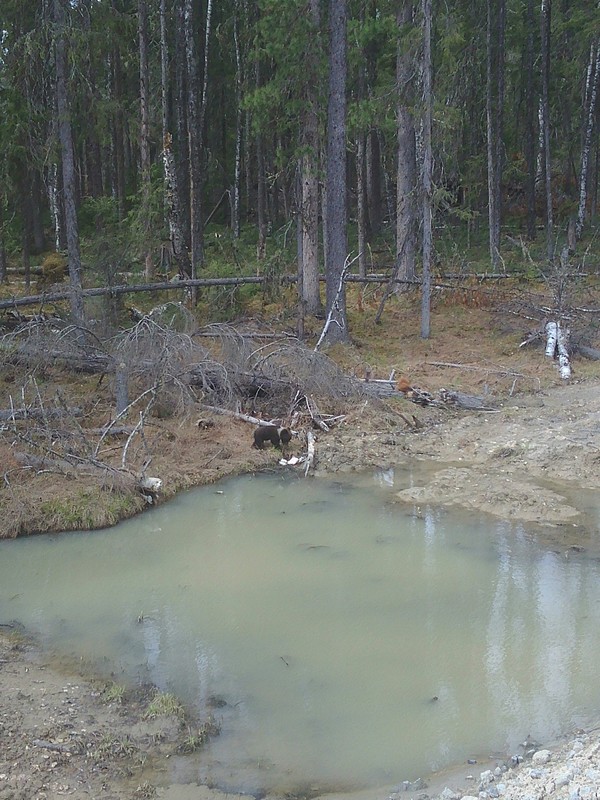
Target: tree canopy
(180, 115)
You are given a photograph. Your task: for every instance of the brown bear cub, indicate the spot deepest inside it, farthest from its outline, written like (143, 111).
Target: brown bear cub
(269, 433)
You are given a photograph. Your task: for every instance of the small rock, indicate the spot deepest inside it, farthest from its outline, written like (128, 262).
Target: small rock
(541, 757)
(487, 776)
(535, 773)
(448, 794)
(563, 779)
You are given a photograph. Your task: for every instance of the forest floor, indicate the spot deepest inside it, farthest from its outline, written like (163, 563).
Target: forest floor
(531, 458)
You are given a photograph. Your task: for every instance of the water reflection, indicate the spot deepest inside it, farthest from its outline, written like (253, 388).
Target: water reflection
(354, 642)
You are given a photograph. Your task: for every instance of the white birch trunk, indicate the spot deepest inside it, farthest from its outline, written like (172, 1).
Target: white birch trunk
(551, 338)
(54, 205)
(591, 93)
(564, 361)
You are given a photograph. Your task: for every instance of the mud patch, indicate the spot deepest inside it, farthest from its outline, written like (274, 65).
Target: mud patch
(501, 495)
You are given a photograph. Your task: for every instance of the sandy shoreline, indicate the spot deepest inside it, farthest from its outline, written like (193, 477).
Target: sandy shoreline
(62, 736)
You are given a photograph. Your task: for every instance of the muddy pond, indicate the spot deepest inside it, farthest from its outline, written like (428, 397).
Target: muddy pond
(342, 640)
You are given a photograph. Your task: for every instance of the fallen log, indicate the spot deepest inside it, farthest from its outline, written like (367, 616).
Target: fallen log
(45, 463)
(89, 364)
(13, 414)
(588, 352)
(178, 285)
(469, 402)
(239, 415)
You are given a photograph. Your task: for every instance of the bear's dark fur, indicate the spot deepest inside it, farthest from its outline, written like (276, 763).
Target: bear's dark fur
(269, 433)
(266, 433)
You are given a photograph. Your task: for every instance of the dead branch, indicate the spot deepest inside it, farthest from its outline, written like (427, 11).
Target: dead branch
(334, 304)
(137, 428)
(310, 457)
(316, 417)
(238, 415)
(151, 391)
(473, 368)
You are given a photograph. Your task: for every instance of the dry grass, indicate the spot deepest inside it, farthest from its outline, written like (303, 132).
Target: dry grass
(474, 347)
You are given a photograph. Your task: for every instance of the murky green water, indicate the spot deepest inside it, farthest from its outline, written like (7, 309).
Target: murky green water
(328, 618)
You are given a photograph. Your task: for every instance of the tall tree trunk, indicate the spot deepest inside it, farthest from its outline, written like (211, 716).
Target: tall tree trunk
(92, 144)
(337, 246)
(56, 209)
(309, 207)
(361, 203)
(261, 199)
(494, 109)
(310, 233)
(261, 189)
(530, 120)
(196, 92)
(362, 210)
(26, 229)
(500, 86)
(545, 121)
(181, 120)
(596, 173)
(406, 179)
(118, 135)
(374, 192)
(194, 140)
(591, 95)
(235, 200)
(68, 164)
(427, 172)
(145, 135)
(3, 263)
(37, 224)
(174, 215)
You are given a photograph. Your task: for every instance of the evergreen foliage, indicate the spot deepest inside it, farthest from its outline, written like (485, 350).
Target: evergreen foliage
(266, 61)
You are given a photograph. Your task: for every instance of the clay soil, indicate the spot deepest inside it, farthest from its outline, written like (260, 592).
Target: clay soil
(532, 458)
